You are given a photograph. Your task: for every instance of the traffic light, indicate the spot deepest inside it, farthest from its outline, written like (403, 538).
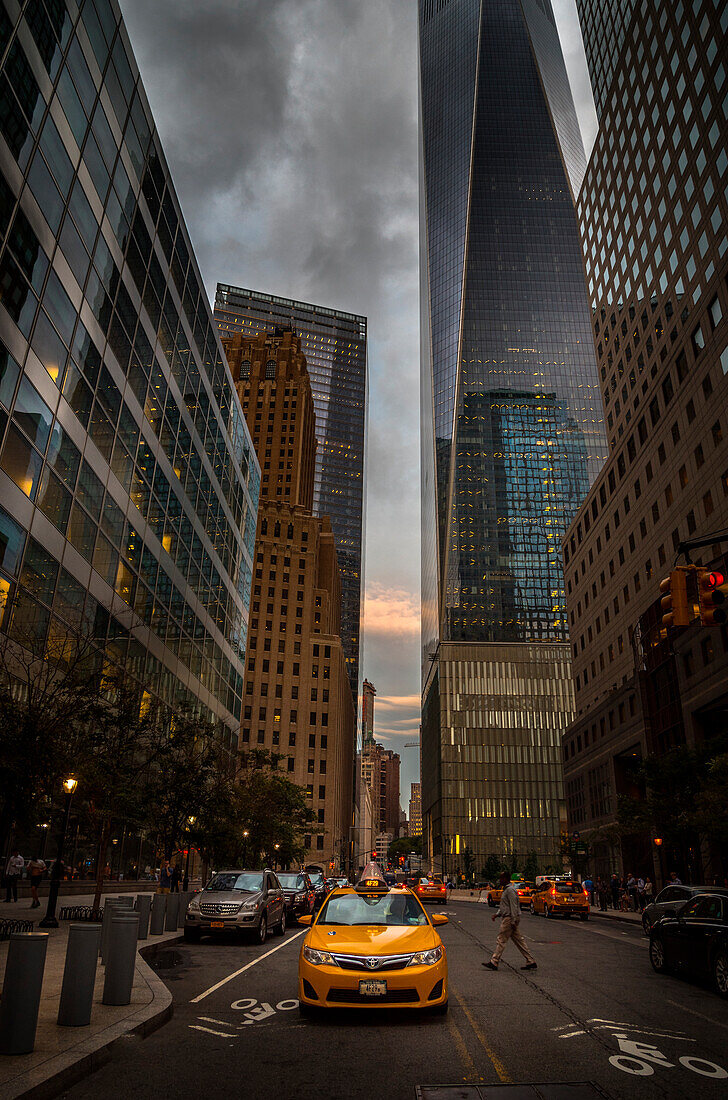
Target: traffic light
(713, 593)
(674, 602)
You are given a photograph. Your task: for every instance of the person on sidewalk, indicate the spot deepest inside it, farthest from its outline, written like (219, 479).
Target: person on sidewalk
(165, 878)
(615, 891)
(509, 911)
(13, 872)
(36, 869)
(175, 879)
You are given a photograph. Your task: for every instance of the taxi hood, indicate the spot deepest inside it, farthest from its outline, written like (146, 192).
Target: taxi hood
(361, 939)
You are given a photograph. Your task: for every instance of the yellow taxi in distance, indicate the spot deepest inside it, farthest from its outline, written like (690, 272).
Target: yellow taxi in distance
(432, 888)
(560, 898)
(524, 893)
(372, 945)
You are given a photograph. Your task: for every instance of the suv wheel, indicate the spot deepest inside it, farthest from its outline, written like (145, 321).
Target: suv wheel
(720, 973)
(262, 930)
(646, 926)
(281, 927)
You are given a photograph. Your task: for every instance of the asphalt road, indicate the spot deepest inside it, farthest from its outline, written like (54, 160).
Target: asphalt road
(594, 992)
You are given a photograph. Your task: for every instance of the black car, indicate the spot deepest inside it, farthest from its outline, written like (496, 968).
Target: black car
(671, 900)
(298, 892)
(319, 885)
(695, 942)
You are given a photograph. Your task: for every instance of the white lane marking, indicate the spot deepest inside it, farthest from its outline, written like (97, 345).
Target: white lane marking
(700, 1015)
(236, 973)
(222, 1034)
(212, 1020)
(644, 1031)
(571, 1034)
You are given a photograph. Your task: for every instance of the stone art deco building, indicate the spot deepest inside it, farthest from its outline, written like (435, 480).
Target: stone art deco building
(335, 346)
(296, 699)
(128, 482)
(512, 431)
(654, 222)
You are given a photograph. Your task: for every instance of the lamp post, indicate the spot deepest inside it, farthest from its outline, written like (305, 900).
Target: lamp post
(275, 858)
(186, 880)
(49, 920)
(246, 834)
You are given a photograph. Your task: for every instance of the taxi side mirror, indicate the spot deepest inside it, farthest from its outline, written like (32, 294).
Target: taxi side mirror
(439, 918)
(305, 919)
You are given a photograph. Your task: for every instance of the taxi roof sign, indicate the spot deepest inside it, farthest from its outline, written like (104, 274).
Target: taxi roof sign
(372, 880)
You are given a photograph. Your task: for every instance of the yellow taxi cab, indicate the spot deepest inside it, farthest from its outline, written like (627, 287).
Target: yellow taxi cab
(524, 893)
(372, 945)
(560, 898)
(432, 888)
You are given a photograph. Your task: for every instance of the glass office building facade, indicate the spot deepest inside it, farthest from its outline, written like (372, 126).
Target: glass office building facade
(512, 422)
(128, 482)
(335, 346)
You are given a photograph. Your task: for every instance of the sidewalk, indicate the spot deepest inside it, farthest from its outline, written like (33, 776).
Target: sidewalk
(63, 1055)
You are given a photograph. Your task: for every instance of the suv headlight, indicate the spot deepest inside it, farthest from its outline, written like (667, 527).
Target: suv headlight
(194, 905)
(319, 958)
(426, 958)
(251, 904)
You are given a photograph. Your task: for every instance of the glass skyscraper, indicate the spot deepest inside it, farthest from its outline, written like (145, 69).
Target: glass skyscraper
(128, 481)
(512, 432)
(335, 346)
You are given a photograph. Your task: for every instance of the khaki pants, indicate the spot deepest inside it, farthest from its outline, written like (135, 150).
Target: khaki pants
(509, 930)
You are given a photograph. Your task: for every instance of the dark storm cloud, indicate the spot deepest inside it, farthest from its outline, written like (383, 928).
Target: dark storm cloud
(290, 130)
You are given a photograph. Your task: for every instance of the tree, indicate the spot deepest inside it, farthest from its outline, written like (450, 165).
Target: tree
(493, 867)
(48, 702)
(530, 867)
(402, 846)
(272, 809)
(468, 862)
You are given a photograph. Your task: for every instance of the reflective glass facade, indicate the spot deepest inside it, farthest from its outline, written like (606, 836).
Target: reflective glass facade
(335, 346)
(128, 482)
(512, 421)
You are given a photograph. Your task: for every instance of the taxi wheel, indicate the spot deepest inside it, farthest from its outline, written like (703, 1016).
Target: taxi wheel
(531, 910)
(262, 930)
(546, 912)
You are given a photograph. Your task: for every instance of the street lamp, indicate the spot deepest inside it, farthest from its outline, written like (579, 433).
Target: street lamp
(49, 920)
(275, 861)
(186, 880)
(246, 834)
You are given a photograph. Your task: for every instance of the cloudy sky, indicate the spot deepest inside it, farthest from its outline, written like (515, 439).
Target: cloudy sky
(290, 127)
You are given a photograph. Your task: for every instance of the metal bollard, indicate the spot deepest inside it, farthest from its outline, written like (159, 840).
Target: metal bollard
(170, 925)
(158, 911)
(121, 959)
(79, 975)
(143, 906)
(110, 907)
(21, 991)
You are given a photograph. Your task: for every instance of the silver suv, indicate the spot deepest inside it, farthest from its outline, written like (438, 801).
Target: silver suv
(243, 901)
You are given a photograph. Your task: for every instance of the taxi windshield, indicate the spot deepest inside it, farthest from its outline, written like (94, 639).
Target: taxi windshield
(399, 910)
(231, 880)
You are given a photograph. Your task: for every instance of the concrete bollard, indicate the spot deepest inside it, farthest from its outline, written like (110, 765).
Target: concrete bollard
(121, 959)
(79, 975)
(143, 907)
(126, 899)
(170, 925)
(21, 991)
(159, 909)
(110, 907)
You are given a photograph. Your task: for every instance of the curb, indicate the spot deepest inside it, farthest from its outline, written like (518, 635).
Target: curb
(618, 917)
(64, 1070)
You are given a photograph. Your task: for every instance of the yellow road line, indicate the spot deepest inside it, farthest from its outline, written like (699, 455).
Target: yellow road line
(498, 1066)
(461, 1047)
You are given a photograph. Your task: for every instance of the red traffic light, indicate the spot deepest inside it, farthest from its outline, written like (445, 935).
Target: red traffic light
(715, 580)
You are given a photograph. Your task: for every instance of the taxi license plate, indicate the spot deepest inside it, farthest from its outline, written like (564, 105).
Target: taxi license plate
(371, 988)
(217, 924)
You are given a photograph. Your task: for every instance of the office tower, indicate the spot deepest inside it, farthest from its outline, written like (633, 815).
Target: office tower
(296, 699)
(415, 810)
(368, 694)
(335, 346)
(380, 771)
(512, 432)
(654, 220)
(127, 477)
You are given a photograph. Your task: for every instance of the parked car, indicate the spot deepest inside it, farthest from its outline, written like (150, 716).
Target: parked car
(242, 901)
(298, 892)
(319, 885)
(695, 941)
(672, 900)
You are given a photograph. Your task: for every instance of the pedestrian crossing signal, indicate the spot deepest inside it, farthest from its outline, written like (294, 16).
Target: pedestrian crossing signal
(713, 594)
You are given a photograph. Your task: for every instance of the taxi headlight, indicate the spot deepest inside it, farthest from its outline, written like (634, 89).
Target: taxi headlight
(319, 958)
(426, 958)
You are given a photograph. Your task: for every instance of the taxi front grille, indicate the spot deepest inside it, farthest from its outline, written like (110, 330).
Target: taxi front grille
(218, 908)
(391, 997)
(381, 962)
